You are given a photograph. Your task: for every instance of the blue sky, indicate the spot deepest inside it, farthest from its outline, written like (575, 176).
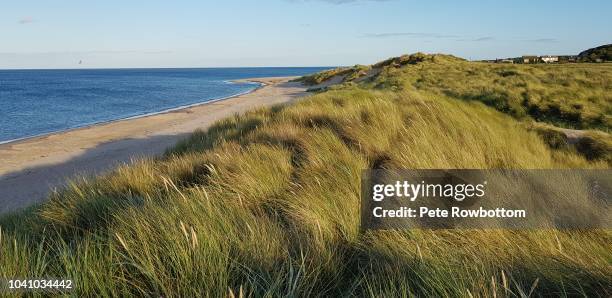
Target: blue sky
(113, 33)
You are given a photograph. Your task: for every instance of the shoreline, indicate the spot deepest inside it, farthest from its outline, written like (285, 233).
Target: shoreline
(30, 168)
(170, 110)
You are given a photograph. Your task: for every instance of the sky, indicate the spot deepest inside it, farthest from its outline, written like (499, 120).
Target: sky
(232, 33)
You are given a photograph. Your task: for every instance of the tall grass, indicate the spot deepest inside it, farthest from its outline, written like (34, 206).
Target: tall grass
(267, 204)
(575, 96)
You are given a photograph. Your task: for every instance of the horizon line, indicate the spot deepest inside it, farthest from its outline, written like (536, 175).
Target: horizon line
(189, 67)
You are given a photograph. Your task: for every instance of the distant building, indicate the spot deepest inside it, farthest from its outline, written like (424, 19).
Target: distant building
(530, 59)
(568, 58)
(549, 59)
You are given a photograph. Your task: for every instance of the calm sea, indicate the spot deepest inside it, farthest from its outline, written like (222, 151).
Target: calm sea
(35, 102)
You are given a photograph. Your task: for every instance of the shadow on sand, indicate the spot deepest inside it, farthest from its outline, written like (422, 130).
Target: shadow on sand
(23, 188)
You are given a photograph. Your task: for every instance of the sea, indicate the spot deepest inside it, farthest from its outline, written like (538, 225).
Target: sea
(38, 102)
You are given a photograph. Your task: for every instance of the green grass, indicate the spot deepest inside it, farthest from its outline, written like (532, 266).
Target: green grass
(267, 204)
(592, 144)
(568, 95)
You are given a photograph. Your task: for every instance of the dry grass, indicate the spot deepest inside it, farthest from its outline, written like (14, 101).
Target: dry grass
(267, 204)
(568, 95)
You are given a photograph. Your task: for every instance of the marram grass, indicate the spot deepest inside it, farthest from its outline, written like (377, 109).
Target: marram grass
(267, 204)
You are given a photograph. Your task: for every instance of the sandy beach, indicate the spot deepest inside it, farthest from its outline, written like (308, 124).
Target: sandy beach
(31, 168)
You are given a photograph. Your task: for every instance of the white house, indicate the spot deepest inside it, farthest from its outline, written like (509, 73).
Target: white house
(550, 59)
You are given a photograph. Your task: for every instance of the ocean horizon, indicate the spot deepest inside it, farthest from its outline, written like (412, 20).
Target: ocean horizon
(35, 102)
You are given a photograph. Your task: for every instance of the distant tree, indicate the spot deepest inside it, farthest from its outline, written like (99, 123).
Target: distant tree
(598, 54)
